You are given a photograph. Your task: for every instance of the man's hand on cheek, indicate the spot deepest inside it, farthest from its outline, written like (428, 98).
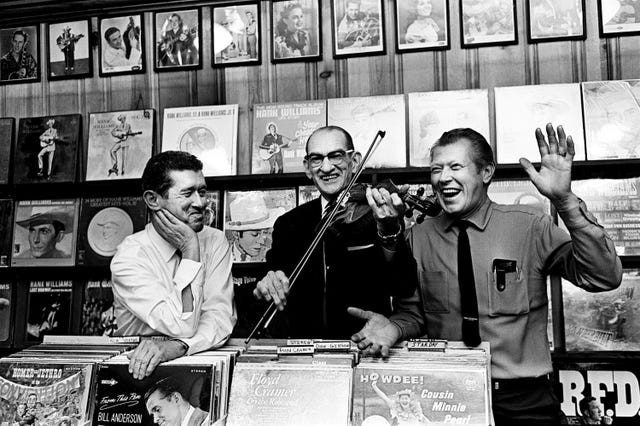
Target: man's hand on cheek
(177, 233)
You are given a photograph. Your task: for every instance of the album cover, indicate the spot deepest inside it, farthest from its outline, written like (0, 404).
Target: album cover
(612, 119)
(433, 113)
(615, 203)
(46, 149)
(6, 221)
(280, 394)
(123, 400)
(44, 233)
(248, 308)
(280, 133)
(608, 321)
(6, 142)
(208, 132)
(212, 211)
(104, 223)
(7, 309)
(48, 309)
(522, 109)
(363, 117)
(120, 144)
(307, 193)
(248, 220)
(439, 394)
(613, 383)
(97, 317)
(44, 392)
(518, 192)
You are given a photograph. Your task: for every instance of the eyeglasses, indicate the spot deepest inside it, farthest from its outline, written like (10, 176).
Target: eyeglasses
(336, 158)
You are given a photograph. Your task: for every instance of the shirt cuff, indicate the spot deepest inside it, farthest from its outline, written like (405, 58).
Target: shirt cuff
(186, 273)
(575, 215)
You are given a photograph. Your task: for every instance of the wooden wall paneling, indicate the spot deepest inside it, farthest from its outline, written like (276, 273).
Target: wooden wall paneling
(237, 92)
(420, 71)
(454, 62)
(330, 86)
(629, 57)
(290, 81)
(595, 53)
(207, 83)
(557, 62)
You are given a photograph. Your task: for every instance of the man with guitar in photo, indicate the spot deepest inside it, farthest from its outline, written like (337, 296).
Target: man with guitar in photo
(67, 43)
(271, 149)
(18, 63)
(121, 133)
(48, 140)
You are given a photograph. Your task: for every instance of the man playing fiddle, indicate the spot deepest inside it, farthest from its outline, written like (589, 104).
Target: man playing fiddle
(347, 268)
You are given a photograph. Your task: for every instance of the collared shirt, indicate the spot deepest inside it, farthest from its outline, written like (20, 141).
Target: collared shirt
(149, 276)
(513, 320)
(114, 58)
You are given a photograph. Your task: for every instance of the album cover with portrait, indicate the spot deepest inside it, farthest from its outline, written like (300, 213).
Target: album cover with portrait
(120, 144)
(62, 391)
(607, 321)
(97, 317)
(48, 309)
(280, 133)
(6, 142)
(612, 119)
(363, 117)
(6, 222)
(433, 113)
(7, 309)
(522, 109)
(122, 45)
(307, 193)
(248, 220)
(212, 210)
(44, 233)
(208, 132)
(104, 223)
(46, 149)
(615, 203)
(120, 399)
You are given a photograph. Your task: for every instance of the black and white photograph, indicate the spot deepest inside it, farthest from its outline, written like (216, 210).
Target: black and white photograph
(488, 23)
(69, 50)
(358, 28)
(618, 17)
(98, 316)
(177, 36)
(555, 20)
(422, 25)
(121, 45)
(19, 54)
(236, 34)
(296, 30)
(48, 309)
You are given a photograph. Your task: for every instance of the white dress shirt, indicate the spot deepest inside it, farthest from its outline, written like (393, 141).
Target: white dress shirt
(149, 276)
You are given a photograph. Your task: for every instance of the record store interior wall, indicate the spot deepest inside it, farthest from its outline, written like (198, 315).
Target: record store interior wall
(392, 73)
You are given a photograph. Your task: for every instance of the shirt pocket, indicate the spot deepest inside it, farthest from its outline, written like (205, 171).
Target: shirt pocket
(435, 291)
(514, 299)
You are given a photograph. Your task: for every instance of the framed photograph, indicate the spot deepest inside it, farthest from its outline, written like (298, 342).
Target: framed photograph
(555, 20)
(522, 109)
(120, 144)
(177, 35)
(20, 54)
(121, 45)
(422, 25)
(69, 50)
(358, 28)
(488, 23)
(236, 34)
(208, 132)
(296, 30)
(280, 133)
(248, 220)
(618, 18)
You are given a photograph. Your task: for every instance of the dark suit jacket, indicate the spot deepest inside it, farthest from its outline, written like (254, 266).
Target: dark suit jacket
(346, 269)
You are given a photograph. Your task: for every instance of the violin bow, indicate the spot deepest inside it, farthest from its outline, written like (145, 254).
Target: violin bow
(271, 311)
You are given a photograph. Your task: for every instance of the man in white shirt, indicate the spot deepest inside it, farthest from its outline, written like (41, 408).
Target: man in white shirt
(174, 277)
(115, 55)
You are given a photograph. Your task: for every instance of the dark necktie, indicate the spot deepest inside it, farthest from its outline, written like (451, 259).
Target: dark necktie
(468, 299)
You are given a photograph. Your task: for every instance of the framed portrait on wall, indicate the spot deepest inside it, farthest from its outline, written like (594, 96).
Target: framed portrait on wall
(358, 28)
(236, 34)
(488, 23)
(19, 54)
(618, 18)
(121, 45)
(296, 30)
(69, 50)
(422, 25)
(555, 20)
(177, 35)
